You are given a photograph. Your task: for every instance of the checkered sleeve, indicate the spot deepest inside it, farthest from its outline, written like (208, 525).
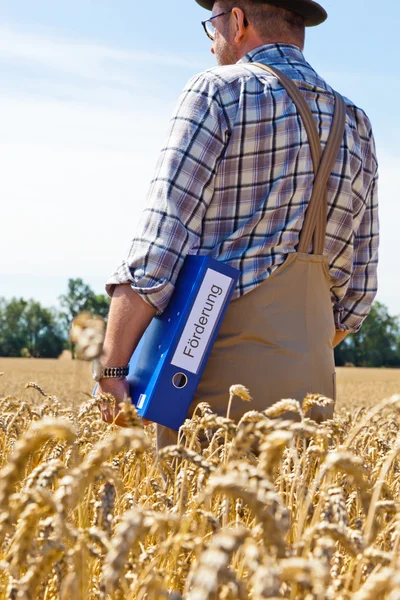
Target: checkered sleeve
(171, 223)
(353, 309)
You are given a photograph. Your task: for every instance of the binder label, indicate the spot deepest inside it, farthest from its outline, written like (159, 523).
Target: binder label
(202, 320)
(141, 400)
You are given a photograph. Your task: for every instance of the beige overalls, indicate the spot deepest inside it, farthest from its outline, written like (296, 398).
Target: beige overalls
(277, 339)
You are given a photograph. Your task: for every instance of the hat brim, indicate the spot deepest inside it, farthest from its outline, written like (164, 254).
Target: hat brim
(312, 12)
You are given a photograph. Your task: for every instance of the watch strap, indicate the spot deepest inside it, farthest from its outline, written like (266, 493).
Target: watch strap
(116, 372)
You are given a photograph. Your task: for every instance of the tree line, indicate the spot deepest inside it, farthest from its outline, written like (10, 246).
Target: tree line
(377, 344)
(31, 330)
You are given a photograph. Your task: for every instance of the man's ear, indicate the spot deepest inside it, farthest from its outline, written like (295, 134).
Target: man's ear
(240, 22)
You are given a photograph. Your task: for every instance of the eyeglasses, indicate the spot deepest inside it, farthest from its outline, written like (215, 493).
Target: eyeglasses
(209, 27)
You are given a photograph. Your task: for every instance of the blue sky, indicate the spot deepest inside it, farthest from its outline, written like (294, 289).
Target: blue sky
(86, 92)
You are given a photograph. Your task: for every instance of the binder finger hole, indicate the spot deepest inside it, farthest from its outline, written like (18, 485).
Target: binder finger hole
(179, 380)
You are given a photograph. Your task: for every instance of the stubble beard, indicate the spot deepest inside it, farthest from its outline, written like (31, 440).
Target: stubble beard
(224, 53)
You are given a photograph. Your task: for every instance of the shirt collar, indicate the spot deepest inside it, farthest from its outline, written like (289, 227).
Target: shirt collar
(288, 58)
(275, 53)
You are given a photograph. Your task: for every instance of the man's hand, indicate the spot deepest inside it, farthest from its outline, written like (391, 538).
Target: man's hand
(128, 319)
(119, 388)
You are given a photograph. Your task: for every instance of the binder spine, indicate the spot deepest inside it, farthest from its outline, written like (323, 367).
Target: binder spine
(178, 342)
(144, 401)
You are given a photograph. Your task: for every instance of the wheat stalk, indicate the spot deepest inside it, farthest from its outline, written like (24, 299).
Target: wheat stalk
(205, 577)
(31, 441)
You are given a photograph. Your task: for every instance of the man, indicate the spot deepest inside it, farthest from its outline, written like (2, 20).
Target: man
(236, 181)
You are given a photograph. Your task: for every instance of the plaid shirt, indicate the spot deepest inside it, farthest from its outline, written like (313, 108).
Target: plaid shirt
(235, 178)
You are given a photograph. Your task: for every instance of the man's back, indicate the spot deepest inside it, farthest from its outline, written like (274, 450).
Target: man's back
(236, 176)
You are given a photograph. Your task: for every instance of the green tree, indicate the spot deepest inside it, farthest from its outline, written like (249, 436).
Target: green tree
(12, 335)
(377, 344)
(44, 338)
(75, 300)
(80, 297)
(28, 328)
(99, 304)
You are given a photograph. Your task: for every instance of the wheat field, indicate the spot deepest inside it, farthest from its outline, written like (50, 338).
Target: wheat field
(267, 508)
(71, 381)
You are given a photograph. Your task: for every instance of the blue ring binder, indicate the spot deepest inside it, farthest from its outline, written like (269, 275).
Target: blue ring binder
(167, 365)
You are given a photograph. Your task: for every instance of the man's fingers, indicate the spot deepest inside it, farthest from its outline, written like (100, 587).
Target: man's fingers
(121, 421)
(108, 416)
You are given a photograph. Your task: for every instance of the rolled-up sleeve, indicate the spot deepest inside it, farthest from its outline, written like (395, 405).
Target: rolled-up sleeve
(179, 195)
(353, 309)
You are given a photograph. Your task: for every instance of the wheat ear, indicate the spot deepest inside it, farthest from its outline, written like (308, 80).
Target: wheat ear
(39, 433)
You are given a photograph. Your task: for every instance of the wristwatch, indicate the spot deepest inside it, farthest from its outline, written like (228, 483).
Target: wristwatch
(101, 372)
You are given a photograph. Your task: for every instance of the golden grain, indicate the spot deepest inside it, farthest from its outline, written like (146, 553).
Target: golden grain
(283, 406)
(271, 507)
(375, 586)
(211, 569)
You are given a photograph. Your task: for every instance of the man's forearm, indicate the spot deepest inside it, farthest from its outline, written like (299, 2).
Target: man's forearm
(128, 319)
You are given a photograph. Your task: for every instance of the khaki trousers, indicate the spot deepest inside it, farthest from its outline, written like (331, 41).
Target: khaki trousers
(277, 340)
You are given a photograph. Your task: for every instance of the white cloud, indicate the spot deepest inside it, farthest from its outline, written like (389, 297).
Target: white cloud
(79, 58)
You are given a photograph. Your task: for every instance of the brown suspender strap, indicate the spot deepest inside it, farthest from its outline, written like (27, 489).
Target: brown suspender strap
(305, 113)
(314, 227)
(320, 189)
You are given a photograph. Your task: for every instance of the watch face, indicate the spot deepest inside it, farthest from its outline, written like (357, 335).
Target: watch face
(97, 369)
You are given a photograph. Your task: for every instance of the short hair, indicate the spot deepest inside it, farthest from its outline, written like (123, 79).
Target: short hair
(268, 19)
